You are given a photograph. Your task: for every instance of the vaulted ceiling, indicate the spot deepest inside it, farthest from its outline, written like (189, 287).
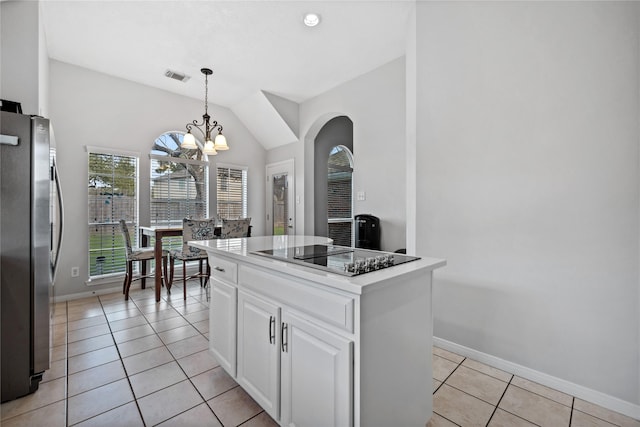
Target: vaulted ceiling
(252, 46)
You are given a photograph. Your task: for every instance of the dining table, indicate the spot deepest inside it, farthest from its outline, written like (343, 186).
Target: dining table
(159, 232)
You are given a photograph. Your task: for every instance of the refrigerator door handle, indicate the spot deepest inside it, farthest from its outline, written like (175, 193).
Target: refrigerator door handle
(56, 178)
(8, 139)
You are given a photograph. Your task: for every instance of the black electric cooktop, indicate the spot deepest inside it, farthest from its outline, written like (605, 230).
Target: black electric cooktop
(338, 259)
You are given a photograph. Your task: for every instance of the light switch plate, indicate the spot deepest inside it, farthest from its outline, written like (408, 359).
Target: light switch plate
(361, 195)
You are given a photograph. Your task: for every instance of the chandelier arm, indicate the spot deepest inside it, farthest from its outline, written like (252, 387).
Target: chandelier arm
(216, 126)
(196, 125)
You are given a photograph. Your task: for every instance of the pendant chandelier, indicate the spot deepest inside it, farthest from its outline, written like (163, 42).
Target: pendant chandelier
(211, 147)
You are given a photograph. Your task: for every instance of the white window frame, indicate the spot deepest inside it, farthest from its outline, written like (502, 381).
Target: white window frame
(245, 187)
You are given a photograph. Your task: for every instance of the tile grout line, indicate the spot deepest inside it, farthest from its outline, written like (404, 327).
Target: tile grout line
(442, 383)
(123, 367)
(183, 371)
(196, 388)
(461, 363)
(186, 375)
(545, 397)
(509, 383)
(495, 408)
(450, 373)
(573, 401)
(465, 392)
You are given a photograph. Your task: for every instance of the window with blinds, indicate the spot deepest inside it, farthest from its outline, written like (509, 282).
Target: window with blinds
(112, 195)
(231, 185)
(179, 185)
(339, 196)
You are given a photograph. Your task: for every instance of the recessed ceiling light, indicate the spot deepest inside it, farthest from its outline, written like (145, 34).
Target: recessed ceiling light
(311, 19)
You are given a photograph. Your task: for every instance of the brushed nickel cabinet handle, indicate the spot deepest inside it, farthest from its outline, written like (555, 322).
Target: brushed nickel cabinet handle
(272, 330)
(283, 336)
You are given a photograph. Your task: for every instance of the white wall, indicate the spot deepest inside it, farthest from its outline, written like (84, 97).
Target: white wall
(90, 108)
(375, 102)
(23, 78)
(528, 183)
(43, 68)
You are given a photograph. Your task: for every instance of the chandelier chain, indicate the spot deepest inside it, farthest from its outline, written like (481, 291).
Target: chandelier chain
(206, 94)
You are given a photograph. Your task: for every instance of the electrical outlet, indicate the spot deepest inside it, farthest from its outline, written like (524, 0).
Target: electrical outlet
(361, 195)
(75, 271)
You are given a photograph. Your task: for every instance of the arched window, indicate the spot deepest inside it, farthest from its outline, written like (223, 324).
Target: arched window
(339, 195)
(179, 184)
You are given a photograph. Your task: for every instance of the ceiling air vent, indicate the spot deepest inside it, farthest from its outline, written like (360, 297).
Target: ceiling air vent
(176, 76)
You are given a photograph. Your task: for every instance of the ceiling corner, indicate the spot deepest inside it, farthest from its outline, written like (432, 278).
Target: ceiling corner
(271, 119)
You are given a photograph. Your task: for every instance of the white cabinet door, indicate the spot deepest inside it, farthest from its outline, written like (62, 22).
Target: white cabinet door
(317, 375)
(222, 324)
(259, 351)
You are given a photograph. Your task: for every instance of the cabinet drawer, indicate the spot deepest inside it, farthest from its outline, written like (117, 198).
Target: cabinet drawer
(330, 307)
(223, 269)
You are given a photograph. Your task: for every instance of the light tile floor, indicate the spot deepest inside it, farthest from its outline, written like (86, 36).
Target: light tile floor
(142, 363)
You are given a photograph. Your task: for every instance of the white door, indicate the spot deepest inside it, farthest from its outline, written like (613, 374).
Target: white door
(259, 351)
(222, 324)
(280, 198)
(317, 375)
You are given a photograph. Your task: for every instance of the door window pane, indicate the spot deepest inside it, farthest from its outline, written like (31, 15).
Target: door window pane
(280, 212)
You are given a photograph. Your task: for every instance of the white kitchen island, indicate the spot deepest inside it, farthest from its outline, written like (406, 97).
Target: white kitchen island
(315, 348)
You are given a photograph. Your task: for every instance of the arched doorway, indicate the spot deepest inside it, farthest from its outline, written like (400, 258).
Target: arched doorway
(333, 170)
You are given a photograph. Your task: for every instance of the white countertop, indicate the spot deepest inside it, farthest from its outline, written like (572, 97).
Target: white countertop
(240, 250)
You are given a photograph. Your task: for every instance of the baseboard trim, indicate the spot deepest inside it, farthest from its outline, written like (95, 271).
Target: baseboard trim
(87, 294)
(116, 282)
(607, 401)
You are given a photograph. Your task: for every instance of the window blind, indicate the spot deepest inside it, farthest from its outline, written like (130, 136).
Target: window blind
(231, 192)
(178, 190)
(112, 195)
(339, 196)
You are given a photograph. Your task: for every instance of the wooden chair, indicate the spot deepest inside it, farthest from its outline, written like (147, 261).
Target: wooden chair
(232, 228)
(138, 254)
(192, 229)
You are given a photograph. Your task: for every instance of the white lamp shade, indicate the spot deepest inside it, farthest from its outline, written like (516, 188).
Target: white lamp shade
(209, 148)
(188, 142)
(221, 142)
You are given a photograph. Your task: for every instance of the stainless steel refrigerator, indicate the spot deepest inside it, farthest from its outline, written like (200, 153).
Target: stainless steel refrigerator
(28, 250)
